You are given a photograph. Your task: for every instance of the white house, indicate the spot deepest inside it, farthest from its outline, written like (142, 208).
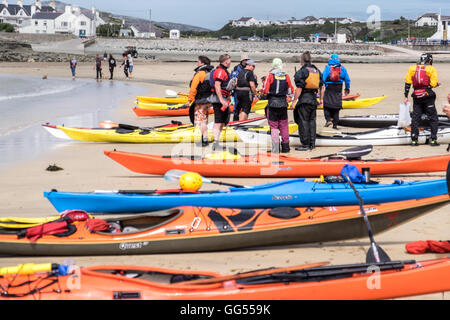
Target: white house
(338, 20)
(429, 19)
(244, 22)
(143, 30)
(174, 34)
(20, 14)
(442, 29)
(73, 20)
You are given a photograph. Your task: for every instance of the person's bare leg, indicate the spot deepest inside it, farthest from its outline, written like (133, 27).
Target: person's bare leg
(243, 116)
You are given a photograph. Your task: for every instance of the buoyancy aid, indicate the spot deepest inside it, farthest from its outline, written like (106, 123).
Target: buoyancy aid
(313, 80)
(204, 87)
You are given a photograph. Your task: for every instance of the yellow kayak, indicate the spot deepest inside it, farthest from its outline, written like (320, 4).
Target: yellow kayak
(184, 134)
(162, 100)
(350, 104)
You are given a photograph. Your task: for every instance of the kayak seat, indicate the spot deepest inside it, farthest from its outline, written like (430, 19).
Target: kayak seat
(144, 132)
(284, 213)
(124, 131)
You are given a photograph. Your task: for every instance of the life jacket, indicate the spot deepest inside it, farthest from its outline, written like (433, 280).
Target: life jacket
(313, 80)
(203, 88)
(335, 73)
(279, 86)
(421, 79)
(225, 82)
(58, 228)
(242, 81)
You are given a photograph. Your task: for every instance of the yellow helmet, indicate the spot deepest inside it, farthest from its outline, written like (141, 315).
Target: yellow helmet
(191, 181)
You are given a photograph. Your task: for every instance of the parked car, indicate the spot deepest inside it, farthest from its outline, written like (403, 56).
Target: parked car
(243, 38)
(299, 39)
(265, 39)
(286, 40)
(254, 38)
(276, 39)
(225, 38)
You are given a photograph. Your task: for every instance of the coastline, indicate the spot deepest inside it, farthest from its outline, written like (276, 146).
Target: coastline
(87, 169)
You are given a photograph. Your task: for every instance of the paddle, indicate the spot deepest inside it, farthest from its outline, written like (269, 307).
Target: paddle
(352, 153)
(252, 274)
(175, 175)
(375, 253)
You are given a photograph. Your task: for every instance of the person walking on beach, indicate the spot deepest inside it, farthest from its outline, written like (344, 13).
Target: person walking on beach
(245, 90)
(105, 56)
(125, 64)
(234, 74)
(220, 77)
(309, 83)
(277, 87)
(98, 67)
(423, 77)
(112, 65)
(73, 67)
(130, 65)
(334, 76)
(199, 93)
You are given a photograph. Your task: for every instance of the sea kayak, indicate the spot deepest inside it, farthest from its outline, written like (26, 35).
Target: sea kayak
(174, 112)
(287, 193)
(380, 137)
(186, 133)
(179, 100)
(316, 281)
(346, 104)
(272, 165)
(200, 229)
(383, 121)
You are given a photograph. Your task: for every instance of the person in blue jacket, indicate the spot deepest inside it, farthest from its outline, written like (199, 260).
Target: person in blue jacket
(334, 77)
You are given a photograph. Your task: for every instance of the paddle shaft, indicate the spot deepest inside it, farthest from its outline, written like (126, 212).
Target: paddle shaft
(252, 274)
(366, 220)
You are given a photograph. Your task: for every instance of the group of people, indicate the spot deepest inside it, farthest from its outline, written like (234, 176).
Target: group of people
(214, 87)
(110, 61)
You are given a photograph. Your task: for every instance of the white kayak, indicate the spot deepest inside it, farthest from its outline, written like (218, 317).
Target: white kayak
(383, 121)
(391, 136)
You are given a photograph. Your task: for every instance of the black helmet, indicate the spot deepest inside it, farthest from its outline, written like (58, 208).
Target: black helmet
(426, 58)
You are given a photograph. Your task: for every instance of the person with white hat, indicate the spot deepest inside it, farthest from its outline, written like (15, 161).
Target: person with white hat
(234, 74)
(245, 90)
(276, 87)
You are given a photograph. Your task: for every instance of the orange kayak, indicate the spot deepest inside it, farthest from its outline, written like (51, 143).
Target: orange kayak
(201, 229)
(309, 282)
(268, 165)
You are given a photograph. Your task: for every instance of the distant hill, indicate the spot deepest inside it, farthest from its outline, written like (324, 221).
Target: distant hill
(163, 25)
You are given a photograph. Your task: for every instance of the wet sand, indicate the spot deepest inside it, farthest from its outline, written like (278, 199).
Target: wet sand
(87, 169)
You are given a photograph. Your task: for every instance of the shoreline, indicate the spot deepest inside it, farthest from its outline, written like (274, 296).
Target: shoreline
(86, 169)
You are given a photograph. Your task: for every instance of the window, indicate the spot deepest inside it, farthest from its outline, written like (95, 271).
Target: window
(36, 23)
(45, 23)
(82, 23)
(1, 20)
(64, 24)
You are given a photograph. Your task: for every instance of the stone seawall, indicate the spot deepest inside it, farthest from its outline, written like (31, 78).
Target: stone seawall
(35, 38)
(188, 48)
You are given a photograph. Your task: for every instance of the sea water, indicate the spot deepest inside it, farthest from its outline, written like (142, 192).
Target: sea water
(27, 102)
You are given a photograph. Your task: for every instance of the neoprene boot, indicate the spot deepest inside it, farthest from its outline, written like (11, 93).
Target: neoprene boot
(285, 148)
(275, 148)
(302, 148)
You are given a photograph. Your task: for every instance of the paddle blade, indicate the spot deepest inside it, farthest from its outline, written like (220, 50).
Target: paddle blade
(356, 152)
(171, 93)
(377, 255)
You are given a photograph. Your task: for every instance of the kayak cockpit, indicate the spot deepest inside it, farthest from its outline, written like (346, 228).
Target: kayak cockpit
(141, 223)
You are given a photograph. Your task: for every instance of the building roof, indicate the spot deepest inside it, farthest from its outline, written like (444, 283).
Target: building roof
(429, 15)
(14, 9)
(245, 19)
(46, 15)
(309, 18)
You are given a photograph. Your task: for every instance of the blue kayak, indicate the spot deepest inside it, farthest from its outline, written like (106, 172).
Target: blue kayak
(287, 193)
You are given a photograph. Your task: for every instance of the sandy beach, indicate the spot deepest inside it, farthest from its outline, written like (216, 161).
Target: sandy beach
(87, 169)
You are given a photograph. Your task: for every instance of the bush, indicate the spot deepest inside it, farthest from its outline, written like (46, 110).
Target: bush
(6, 27)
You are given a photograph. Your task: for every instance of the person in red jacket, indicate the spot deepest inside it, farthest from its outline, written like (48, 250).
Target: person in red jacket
(276, 87)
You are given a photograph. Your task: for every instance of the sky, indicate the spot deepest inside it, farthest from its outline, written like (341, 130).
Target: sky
(213, 14)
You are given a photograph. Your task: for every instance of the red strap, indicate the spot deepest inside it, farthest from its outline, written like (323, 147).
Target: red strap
(439, 246)
(418, 247)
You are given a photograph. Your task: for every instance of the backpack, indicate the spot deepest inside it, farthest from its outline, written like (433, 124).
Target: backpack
(313, 80)
(421, 78)
(335, 74)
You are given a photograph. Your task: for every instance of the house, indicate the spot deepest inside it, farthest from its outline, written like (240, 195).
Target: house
(309, 20)
(428, 19)
(174, 34)
(73, 20)
(244, 22)
(321, 37)
(143, 30)
(20, 14)
(338, 20)
(442, 33)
